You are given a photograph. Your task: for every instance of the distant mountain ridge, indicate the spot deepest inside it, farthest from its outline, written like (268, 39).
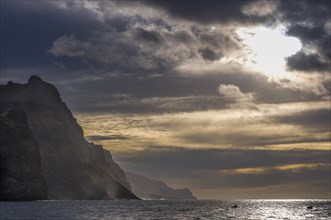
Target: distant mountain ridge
(71, 167)
(147, 188)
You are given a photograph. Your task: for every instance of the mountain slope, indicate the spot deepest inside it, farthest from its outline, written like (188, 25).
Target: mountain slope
(21, 176)
(72, 167)
(148, 188)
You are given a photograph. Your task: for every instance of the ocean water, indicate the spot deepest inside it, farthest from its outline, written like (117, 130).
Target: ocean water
(167, 209)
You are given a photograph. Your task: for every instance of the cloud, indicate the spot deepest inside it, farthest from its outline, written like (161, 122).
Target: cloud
(306, 33)
(260, 8)
(308, 20)
(143, 105)
(150, 93)
(149, 36)
(147, 44)
(279, 168)
(166, 89)
(267, 126)
(120, 54)
(307, 62)
(135, 41)
(32, 50)
(102, 138)
(317, 119)
(69, 45)
(212, 11)
(233, 93)
(209, 54)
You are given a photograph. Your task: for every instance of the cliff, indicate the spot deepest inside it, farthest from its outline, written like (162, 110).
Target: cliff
(148, 188)
(21, 176)
(72, 167)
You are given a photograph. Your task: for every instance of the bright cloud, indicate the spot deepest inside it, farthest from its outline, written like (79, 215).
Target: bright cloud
(236, 128)
(287, 167)
(267, 49)
(233, 93)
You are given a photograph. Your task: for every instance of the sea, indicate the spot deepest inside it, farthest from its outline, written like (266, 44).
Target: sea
(168, 209)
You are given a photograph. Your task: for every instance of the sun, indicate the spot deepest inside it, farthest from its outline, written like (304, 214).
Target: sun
(266, 49)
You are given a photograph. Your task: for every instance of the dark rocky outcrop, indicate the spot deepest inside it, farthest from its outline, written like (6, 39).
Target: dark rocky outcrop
(72, 167)
(21, 176)
(148, 188)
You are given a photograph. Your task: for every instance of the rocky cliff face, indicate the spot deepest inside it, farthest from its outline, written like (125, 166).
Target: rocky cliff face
(72, 167)
(21, 176)
(148, 188)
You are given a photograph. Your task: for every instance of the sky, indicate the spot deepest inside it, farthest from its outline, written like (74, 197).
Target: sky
(228, 98)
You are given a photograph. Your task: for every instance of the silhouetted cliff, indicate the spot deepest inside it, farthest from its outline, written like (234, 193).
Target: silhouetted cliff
(148, 188)
(72, 167)
(21, 176)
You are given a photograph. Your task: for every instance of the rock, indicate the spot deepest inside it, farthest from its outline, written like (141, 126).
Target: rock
(21, 175)
(116, 170)
(148, 188)
(72, 167)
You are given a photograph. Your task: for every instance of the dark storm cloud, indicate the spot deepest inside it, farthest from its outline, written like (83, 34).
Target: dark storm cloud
(305, 11)
(145, 45)
(203, 168)
(122, 52)
(104, 138)
(152, 94)
(307, 62)
(209, 54)
(145, 35)
(129, 54)
(209, 11)
(25, 39)
(310, 22)
(119, 23)
(306, 33)
(319, 120)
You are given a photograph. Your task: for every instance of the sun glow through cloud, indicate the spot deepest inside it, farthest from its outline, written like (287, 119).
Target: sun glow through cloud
(267, 49)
